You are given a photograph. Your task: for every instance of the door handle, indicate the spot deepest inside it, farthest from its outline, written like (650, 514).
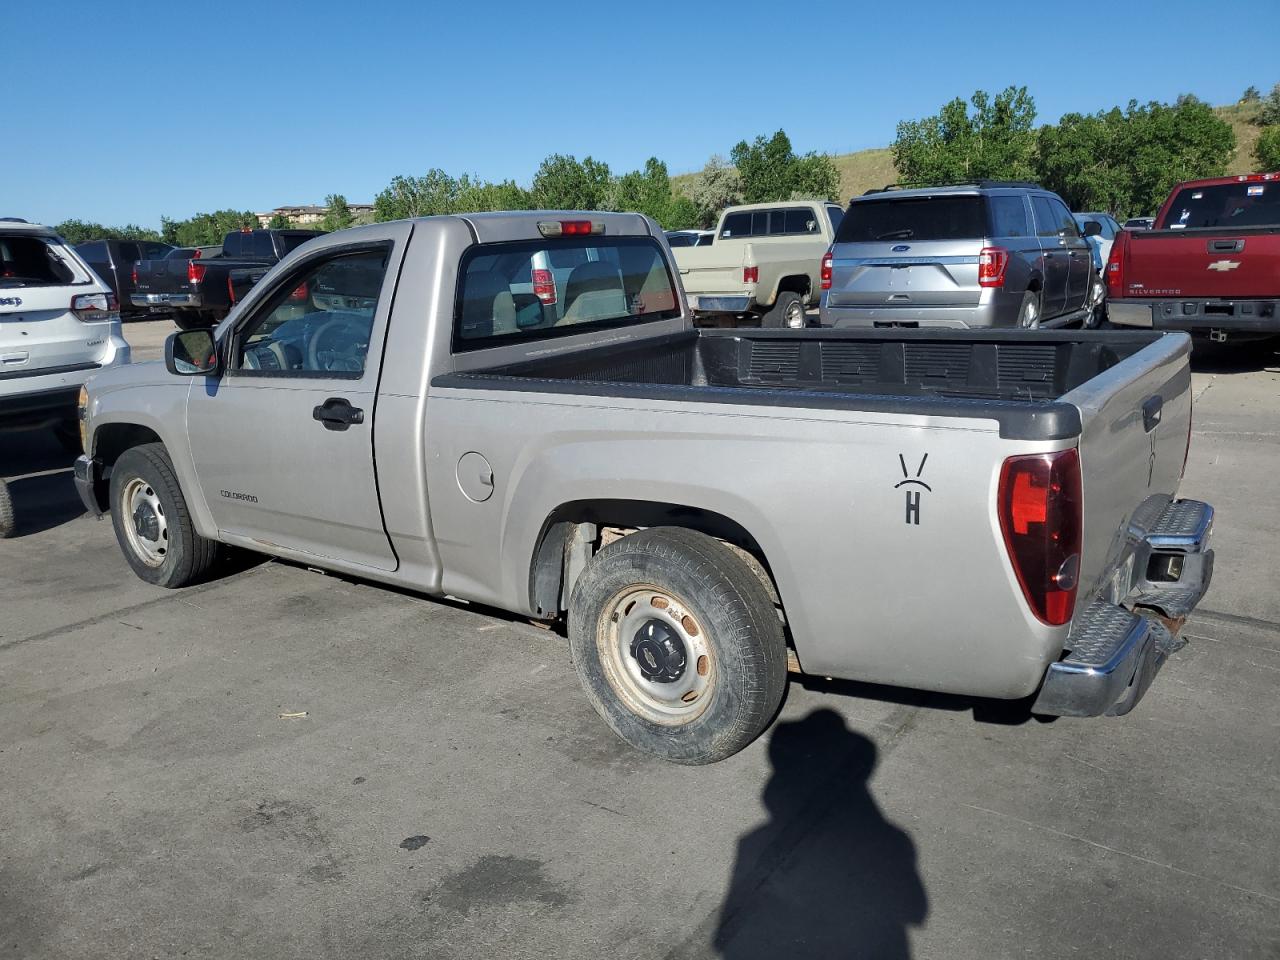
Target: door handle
(337, 413)
(1151, 412)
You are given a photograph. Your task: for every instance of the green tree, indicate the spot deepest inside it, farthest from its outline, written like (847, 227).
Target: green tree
(1267, 150)
(337, 215)
(204, 229)
(684, 213)
(1127, 161)
(430, 195)
(1250, 95)
(771, 170)
(994, 141)
(82, 231)
(1269, 115)
(814, 177)
(717, 186)
(648, 191)
(279, 221)
(565, 183)
(477, 196)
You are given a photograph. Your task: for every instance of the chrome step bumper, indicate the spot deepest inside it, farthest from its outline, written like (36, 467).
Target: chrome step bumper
(1115, 650)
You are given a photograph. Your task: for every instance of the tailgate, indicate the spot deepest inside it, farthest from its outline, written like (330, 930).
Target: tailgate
(713, 269)
(931, 273)
(1136, 418)
(162, 276)
(1221, 264)
(39, 333)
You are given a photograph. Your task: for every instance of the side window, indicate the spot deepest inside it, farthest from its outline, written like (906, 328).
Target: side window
(1009, 217)
(736, 225)
(317, 323)
(801, 220)
(836, 214)
(263, 245)
(1046, 217)
(95, 252)
(1066, 222)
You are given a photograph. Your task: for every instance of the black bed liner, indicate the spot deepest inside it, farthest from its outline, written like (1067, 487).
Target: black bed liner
(1012, 377)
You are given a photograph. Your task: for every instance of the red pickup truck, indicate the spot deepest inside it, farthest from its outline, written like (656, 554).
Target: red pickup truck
(1210, 265)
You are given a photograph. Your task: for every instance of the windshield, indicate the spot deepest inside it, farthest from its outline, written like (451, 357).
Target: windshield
(35, 261)
(1241, 204)
(913, 218)
(538, 289)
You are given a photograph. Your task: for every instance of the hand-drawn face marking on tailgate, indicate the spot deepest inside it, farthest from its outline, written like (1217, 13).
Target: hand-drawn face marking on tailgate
(913, 496)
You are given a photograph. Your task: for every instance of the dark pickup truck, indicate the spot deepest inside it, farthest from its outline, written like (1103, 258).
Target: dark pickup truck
(201, 291)
(1210, 265)
(113, 261)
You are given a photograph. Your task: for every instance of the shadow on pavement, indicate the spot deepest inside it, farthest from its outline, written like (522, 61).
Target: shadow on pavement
(1250, 356)
(38, 471)
(827, 875)
(1007, 713)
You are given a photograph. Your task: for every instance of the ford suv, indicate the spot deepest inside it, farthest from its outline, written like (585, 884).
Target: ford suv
(982, 254)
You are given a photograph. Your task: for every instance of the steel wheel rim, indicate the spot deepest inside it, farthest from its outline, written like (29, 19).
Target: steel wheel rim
(145, 525)
(652, 614)
(794, 317)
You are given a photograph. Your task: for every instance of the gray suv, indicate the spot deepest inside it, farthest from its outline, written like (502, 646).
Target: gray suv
(982, 254)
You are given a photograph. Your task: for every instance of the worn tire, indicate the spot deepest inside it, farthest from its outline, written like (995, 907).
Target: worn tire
(776, 318)
(7, 524)
(738, 622)
(1029, 312)
(187, 556)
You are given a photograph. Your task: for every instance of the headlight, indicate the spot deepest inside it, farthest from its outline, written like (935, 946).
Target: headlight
(82, 415)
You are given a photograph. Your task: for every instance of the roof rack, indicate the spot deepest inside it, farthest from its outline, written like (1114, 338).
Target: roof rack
(980, 184)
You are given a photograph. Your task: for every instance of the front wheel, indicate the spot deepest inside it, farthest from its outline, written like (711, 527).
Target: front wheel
(678, 645)
(151, 520)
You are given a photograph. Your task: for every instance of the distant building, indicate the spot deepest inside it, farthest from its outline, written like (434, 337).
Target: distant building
(302, 216)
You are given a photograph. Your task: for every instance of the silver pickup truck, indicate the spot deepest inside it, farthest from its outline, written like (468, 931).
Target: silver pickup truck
(983, 513)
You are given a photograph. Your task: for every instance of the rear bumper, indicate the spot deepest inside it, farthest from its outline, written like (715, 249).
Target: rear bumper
(1203, 315)
(720, 303)
(996, 312)
(1114, 651)
(166, 300)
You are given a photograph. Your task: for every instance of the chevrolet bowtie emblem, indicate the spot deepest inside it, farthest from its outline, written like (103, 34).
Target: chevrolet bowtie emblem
(1222, 266)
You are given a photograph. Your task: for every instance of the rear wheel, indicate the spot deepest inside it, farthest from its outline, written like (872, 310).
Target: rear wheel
(151, 520)
(678, 645)
(787, 313)
(1029, 312)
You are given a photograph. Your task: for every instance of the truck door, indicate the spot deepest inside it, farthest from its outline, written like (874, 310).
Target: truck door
(1079, 253)
(1055, 257)
(283, 440)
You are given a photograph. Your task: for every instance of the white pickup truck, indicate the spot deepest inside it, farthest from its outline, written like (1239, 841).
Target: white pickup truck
(973, 512)
(764, 267)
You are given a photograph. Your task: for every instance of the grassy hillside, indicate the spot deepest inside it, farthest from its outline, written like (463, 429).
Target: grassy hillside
(864, 169)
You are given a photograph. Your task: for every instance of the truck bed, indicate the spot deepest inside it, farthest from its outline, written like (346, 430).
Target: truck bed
(1016, 379)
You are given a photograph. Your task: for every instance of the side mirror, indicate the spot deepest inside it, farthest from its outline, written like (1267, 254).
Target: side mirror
(190, 353)
(1092, 228)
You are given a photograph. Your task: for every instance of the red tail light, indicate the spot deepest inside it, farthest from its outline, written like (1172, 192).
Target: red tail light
(544, 286)
(1040, 505)
(196, 255)
(195, 271)
(89, 307)
(1115, 265)
(231, 290)
(750, 274)
(299, 294)
(826, 271)
(992, 263)
(134, 274)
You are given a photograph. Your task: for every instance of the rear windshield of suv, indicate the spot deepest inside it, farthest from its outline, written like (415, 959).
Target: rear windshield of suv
(540, 289)
(913, 218)
(1225, 205)
(27, 261)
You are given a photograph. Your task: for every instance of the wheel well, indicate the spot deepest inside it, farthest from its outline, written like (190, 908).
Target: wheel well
(113, 439)
(1034, 285)
(575, 531)
(798, 284)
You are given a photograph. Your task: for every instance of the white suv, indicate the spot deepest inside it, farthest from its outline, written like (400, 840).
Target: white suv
(59, 323)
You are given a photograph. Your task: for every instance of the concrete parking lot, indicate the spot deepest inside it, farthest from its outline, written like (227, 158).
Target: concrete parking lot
(285, 764)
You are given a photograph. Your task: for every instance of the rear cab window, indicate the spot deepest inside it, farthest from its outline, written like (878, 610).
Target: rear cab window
(919, 218)
(540, 289)
(35, 260)
(1241, 204)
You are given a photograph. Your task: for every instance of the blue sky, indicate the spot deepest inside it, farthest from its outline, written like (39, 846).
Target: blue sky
(123, 112)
